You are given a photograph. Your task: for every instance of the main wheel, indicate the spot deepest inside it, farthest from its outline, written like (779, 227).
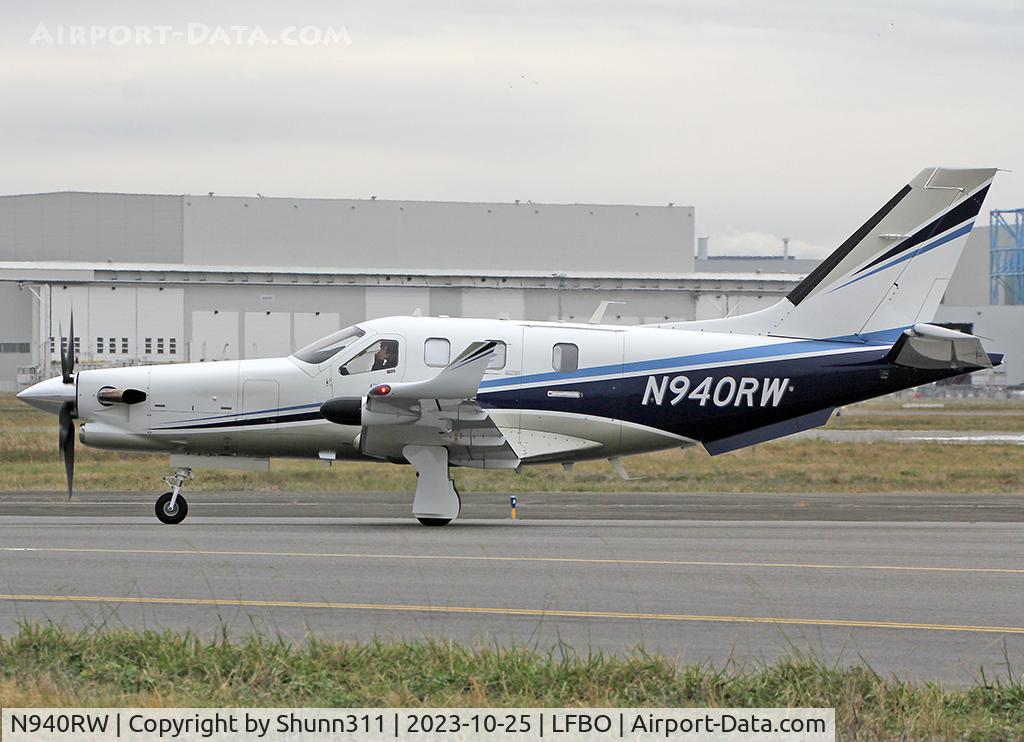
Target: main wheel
(434, 521)
(168, 515)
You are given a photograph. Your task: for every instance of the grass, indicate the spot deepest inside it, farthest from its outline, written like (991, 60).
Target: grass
(938, 404)
(930, 420)
(46, 665)
(29, 461)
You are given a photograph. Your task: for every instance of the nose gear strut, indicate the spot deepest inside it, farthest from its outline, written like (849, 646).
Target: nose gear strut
(171, 507)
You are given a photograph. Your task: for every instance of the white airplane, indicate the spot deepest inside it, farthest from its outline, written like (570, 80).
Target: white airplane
(498, 394)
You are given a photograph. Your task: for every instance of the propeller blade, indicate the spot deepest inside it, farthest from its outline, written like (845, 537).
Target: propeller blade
(67, 441)
(67, 357)
(65, 377)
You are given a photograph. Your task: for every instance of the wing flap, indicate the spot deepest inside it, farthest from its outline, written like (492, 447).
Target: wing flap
(441, 411)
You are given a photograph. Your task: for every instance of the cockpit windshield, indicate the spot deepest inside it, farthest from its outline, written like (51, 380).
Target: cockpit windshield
(325, 348)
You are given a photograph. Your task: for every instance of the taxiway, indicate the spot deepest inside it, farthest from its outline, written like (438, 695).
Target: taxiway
(935, 596)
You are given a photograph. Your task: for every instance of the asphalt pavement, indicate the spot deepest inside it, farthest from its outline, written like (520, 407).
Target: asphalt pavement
(922, 591)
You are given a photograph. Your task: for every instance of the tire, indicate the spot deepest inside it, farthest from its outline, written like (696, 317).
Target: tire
(173, 517)
(443, 521)
(434, 521)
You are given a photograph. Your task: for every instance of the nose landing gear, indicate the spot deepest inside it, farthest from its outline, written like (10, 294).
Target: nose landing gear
(171, 507)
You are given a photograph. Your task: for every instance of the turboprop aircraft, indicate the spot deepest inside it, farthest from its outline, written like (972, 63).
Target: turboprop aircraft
(437, 392)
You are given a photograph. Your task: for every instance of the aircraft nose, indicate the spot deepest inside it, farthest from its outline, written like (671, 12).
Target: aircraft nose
(49, 395)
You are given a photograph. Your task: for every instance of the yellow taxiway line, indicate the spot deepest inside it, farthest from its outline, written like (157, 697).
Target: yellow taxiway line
(517, 612)
(522, 559)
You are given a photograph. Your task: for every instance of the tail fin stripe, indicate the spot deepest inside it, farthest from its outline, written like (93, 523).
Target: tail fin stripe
(966, 209)
(806, 286)
(914, 253)
(931, 217)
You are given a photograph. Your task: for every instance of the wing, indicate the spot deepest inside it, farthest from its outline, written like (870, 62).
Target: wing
(441, 411)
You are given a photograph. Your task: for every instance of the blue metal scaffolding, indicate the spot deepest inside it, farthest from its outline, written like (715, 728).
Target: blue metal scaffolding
(1006, 256)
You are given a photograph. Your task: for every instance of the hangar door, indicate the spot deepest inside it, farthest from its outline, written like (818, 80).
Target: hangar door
(268, 334)
(214, 336)
(389, 301)
(311, 326)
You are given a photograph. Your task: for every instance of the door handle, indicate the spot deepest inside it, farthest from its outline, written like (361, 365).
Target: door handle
(564, 394)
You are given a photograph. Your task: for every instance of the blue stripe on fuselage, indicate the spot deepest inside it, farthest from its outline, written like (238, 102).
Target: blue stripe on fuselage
(807, 384)
(881, 338)
(253, 412)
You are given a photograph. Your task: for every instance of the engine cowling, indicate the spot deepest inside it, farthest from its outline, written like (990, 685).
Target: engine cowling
(343, 410)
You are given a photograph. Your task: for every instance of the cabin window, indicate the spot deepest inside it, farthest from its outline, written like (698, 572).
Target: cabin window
(380, 356)
(565, 357)
(497, 361)
(437, 352)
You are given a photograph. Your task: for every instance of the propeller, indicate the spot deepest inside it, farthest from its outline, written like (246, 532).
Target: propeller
(67, 441)
(67, 355)
(68, 410)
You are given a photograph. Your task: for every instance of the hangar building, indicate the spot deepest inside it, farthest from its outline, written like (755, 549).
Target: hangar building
(170, 278)
(156, 278)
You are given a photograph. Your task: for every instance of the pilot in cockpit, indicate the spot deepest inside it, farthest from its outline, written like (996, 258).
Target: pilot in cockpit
(386, 356)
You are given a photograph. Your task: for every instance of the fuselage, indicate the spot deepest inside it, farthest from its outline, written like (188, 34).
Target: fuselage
(622, 389)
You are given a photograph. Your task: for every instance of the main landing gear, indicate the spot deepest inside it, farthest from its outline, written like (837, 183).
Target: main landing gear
(437, 502)
(171, 507)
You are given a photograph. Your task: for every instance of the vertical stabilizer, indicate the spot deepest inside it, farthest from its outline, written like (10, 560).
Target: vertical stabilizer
(890, 274)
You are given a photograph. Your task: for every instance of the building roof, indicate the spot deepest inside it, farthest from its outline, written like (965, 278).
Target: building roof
(177, 273)
(368, 200)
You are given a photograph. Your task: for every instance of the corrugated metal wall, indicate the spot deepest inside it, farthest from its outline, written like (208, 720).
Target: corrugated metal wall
(91, 227)
(405, 235)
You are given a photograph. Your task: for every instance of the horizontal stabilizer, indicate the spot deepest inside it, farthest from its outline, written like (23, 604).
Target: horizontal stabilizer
(929, 347)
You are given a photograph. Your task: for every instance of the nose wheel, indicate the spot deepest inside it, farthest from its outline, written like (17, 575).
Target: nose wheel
(171, 507)
(171, 513)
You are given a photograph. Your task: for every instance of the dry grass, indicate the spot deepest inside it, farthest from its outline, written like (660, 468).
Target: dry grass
(44, 665)
(29, 461)
(931, 420)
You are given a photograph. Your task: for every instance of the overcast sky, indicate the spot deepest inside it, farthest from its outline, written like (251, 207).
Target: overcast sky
(788, 118)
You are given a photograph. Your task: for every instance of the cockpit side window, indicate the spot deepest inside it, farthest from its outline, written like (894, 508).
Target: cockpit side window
(380, 356)
(326, 348)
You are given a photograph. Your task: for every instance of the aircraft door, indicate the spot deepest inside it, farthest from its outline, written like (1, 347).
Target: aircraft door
(572, 382)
